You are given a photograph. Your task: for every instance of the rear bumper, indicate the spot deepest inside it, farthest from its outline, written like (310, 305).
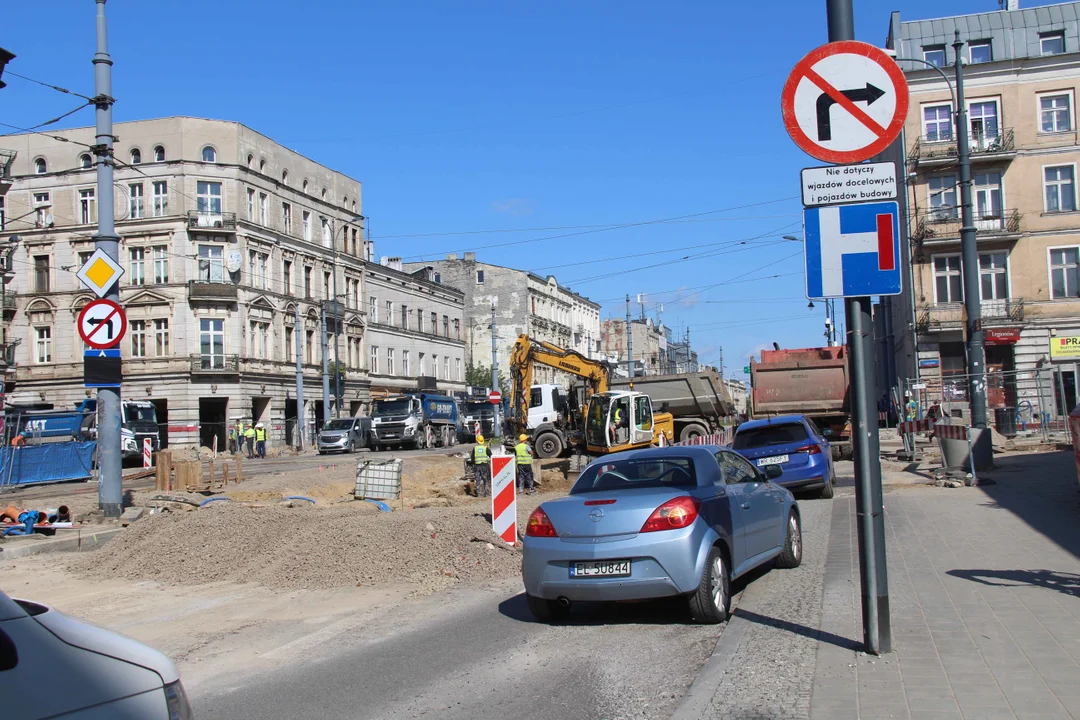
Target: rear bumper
(661, 564)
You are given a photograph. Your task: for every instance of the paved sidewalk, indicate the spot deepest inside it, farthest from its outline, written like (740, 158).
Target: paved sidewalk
(985, 592)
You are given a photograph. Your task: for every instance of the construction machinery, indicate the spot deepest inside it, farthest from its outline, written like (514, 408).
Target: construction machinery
(590, 418)
(699, 401)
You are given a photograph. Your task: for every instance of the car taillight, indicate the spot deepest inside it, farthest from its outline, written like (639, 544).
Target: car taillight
(809, 449)
(674, 514)
(539, 525)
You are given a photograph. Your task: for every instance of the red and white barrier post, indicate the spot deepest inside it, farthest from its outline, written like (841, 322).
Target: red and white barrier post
(504, 497)
(147, 453)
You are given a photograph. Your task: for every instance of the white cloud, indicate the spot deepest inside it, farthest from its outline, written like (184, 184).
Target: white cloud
(514, 206)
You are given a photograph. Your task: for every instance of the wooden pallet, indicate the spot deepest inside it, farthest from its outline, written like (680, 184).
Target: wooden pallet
(188, 476)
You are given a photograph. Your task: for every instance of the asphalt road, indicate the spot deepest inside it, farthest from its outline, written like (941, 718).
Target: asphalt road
(466, 654)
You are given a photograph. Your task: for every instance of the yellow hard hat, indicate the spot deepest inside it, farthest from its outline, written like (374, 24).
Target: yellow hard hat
(479, 438)
(523, 438)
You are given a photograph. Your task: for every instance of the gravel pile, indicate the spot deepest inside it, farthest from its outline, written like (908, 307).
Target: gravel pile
(307, 547)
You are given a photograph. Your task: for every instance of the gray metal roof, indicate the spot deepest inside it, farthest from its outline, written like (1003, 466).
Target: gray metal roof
(1013, 34)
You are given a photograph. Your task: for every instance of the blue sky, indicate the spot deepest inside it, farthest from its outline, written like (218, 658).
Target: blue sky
(570, 128)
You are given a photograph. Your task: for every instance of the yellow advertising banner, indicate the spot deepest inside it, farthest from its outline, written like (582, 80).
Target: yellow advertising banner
(1066, 347)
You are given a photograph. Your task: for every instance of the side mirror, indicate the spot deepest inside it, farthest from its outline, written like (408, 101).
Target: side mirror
(773, 471)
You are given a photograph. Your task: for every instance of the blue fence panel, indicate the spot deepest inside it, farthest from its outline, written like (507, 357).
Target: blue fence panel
(49, 462)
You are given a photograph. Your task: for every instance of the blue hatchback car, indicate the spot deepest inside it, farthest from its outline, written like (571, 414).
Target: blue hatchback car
(794, 443)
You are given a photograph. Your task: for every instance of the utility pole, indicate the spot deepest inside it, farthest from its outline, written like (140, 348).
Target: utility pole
(325, 370)
(721, 362)
(496, 420)
(629, 341)
(877, 629)
(110, 460)
(976, 353)
(301, 417)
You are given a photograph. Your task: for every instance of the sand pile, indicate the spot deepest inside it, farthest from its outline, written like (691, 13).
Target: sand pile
(308, 547)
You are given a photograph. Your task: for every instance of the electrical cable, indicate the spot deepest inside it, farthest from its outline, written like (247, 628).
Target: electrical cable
(9, 73)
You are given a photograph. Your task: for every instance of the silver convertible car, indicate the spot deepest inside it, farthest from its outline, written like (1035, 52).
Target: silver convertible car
(657, 523)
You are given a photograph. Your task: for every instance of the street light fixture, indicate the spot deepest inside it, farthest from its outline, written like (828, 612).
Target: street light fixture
(792, 238)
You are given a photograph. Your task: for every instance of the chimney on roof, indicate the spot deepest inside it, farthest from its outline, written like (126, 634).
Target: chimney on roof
(394, 263)
(470, 257)
(1012, 4)
(451, 256)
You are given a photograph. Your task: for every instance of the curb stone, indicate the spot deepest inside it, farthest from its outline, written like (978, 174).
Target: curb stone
(83, 539)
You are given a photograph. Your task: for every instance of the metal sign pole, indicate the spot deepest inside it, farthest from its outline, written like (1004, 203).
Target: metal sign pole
(877, 634)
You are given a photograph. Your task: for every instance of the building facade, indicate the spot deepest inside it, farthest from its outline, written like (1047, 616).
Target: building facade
(1022, 72)
(524, 304)
(415, 332)
(226, 239)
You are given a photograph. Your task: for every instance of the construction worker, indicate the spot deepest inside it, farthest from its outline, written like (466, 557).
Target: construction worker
(523, 455)
(260, 440)
(233, 431)
(482, 467)
(249, 440)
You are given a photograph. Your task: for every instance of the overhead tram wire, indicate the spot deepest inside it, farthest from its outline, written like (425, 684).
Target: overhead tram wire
(9, 73)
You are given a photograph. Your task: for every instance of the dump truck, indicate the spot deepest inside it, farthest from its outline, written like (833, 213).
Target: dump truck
(699, 402)
(806, 381)
(419, 420)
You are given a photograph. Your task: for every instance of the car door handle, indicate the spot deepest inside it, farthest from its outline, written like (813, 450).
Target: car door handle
(746, 506)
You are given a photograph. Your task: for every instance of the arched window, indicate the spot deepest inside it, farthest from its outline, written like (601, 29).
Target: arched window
(324, 193)
(354, 206)
(284, 177)
(40, 166)
(85, 161)
(159, 154)
(344, 201)
(262, 165)
(250, 160)
(209, 154)
(136, 156)
(305, 186)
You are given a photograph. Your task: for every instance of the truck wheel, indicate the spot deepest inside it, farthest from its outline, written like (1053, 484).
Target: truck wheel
(847, 452)
(692, 431)
(836, 453)
(549, 445)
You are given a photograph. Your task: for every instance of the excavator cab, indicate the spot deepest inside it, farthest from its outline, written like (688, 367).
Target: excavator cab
(620, 421)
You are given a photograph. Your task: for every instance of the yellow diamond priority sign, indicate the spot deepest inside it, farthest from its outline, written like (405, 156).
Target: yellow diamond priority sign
(99, 273)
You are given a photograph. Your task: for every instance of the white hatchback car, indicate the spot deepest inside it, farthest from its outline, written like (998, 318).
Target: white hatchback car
(52, 665)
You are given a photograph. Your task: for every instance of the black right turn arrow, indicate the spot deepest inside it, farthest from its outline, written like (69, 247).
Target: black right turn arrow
(825, 102)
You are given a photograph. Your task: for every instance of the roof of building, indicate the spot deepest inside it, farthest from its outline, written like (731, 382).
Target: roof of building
(527, 273)
(1013, 34)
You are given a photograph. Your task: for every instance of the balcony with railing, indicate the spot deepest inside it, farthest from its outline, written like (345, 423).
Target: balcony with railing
(211, 221)
(202, 291)
(942, 224)
(951, 316)
(215, 364)
(940, 149)
(9, 305)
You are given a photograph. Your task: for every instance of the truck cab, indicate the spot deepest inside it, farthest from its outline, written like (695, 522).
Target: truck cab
(138, 422)
(422, 420)
(619, 421)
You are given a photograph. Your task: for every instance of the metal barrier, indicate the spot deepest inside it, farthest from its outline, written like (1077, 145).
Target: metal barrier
(946, 431)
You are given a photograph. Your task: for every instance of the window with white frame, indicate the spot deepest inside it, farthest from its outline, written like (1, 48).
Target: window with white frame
(87, 207)
(404, 317)
(259, 340)
(1055, 113)
(161, 198)
(325, 224)
(209, 154)
(286, 218)
(264, 203)
(1064, 279)
(208, 198)
(257, 269)
(389, 312)
(136, 203)
(326, 286)
(161, 337)
(307, 225)
(457, 329)
(434, 324)
(435, 366)
(937, 123)
(1052, 43)
(138, 338)
(983, 120)
(137, 266)
(251, 204)
(43, 344)
(374, 359)
(373, 309)
(136, 156)
(457, 369)
(40, 166)
(286, 276)
(3, 213)
(934, 54)
(420, 364)
(994, 275)
(212, 343)
(479, 277)
(979, 52)
(446, 326)
(948, 283)
(290, 351)
(988, 197)
(41, 201)
(85, 161)
(307, 281)
(211, 263)
(309, 352)
(161, 264)
(445, 368)
(942, 198)
(159, 154)
(1060, 188)
(405, 363)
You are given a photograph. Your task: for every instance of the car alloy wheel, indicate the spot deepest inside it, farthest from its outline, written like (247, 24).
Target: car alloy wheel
(718, 576)
(791, 557)
(796, 537)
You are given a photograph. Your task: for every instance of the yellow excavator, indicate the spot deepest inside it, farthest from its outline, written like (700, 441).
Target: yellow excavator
(591, 419)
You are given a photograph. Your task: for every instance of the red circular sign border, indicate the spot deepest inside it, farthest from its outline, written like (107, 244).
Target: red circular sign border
(854, 47)
(123, 324)
(492, 399)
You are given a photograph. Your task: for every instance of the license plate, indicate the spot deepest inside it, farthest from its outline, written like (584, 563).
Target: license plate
(774, 460)
(603, 568)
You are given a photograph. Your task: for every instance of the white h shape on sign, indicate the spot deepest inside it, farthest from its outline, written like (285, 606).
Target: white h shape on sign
(833, 248)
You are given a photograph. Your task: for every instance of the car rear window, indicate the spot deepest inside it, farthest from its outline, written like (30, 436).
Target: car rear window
(637, 473)
(769, 435)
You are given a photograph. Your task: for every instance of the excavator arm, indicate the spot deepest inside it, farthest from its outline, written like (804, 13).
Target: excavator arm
(528, 353)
